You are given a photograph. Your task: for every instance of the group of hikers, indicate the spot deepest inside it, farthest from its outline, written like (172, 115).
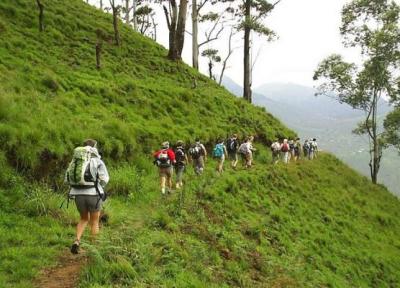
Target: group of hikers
(87, 174)
(169, 159)
(292, 149)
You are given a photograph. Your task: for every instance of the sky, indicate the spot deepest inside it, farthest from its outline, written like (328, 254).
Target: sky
(308, 32)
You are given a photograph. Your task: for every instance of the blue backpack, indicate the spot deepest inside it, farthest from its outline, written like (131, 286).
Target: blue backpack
(218, 151)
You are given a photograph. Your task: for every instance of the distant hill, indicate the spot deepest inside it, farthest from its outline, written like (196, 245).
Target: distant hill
(327, 120)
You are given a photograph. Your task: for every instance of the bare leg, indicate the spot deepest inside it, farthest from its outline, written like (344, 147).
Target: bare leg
(82, 225)
(162, 183)
(94, 223)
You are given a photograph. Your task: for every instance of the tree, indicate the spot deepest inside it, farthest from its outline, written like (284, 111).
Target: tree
(392, 128)
(373, 26)
(250, 14)
(145, 19)
(115, 10)
(41, 15)
(213, 57)
(176, 22)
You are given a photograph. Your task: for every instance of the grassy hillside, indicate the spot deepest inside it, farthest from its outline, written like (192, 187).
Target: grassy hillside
(311, 224)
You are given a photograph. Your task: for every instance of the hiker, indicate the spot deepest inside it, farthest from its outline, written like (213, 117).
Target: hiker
(276, 150)
(165, 159)
(285, 151)
(232, 146)
(220, 154)
(306, 148)
(198, 155)
(291, 149)
(315, 146)
(87, 176)
(180, 164)
(311, 149)
(297, 149)
(246, 150)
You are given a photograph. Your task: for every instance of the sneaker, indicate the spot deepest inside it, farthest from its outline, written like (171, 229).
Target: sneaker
(75, 247)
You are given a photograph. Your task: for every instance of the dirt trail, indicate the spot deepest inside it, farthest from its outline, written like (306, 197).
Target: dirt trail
(65, 274)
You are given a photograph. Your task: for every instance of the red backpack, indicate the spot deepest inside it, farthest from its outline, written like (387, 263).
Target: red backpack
(285, 147)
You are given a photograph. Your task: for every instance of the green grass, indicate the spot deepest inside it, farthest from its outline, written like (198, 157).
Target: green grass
(310, 224)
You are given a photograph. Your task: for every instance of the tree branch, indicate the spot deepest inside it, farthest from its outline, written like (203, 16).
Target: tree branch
(167, 17)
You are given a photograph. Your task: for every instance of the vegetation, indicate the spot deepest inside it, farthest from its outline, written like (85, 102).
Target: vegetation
(304, 225)
(374, 28)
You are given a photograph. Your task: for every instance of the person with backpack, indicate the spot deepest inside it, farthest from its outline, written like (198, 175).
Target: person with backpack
(311, 149)
(165, 159)
(198, 154)
(285, 151)
(297, 149)
(291, 149)
(232, 146)
(246, 150)
(306, 148)
(276, 150)
(220, 154)
(87, 176)
(180, 164)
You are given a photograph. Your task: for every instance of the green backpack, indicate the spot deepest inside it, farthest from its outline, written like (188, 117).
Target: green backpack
(78, 173)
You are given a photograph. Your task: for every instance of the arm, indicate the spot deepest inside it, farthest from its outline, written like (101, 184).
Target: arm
(103, 174)
(205, 152)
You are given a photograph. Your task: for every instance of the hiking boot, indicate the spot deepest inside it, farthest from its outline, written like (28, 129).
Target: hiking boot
(75, 247)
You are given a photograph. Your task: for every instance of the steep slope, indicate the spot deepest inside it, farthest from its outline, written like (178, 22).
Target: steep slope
(309, 224)
(52, 96)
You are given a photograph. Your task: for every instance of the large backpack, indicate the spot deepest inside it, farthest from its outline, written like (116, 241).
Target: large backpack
(180, 157)
(275, 147)
(196, 151)
(163, 160)
(231, 145)
(78, 172)
(218, 151)
(306, 147)
(243, 149)
(285, 147)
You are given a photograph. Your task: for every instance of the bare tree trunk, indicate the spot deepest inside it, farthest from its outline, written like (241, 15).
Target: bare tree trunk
(210, 67)
(176, 25)
(246, 60)
(180, 29)
(154, 28)
(375, 142)
(134, 4)
(101, 4)
(99, 46)
(41, 15)
(172, 18)
(115, 23)
(195, 32)
(127, 10)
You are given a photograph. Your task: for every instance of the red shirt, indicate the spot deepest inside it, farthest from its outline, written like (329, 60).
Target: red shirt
(170, 152)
